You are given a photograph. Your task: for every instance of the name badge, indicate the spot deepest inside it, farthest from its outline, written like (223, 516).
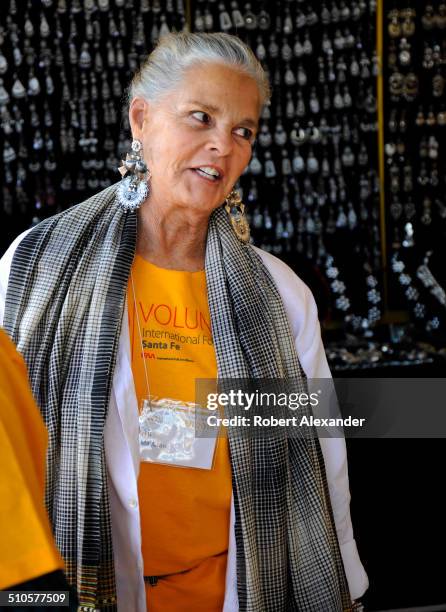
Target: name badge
(167, 434)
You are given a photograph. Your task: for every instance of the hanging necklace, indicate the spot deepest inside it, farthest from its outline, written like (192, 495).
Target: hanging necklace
(412, 294)
(429, 280)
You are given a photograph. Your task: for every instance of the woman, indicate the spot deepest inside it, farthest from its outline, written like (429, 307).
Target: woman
(136, 293)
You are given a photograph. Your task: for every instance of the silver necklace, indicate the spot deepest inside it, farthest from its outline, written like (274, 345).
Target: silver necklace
(429, 280)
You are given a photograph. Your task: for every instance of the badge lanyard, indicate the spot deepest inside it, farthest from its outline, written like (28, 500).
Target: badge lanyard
(167, 426)
(146, 374)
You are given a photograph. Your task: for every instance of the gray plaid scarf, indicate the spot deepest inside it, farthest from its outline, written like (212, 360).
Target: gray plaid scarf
(64, 310)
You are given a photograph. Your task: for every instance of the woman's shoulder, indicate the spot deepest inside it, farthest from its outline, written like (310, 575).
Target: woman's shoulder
(56, 234)
(77, 218)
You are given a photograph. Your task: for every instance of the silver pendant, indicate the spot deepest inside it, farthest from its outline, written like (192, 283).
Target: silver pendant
(132, 193)
(18, 91)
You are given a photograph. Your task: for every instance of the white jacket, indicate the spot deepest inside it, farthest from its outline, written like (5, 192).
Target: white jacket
(122, 453)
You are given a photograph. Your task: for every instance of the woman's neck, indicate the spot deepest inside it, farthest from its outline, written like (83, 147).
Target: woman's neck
(173, 238)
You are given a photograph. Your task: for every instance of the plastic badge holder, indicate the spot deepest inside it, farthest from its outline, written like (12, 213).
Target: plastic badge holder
(167, 434)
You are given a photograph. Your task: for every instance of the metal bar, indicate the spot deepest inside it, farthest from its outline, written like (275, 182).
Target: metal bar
(381, 165)
(188, 15)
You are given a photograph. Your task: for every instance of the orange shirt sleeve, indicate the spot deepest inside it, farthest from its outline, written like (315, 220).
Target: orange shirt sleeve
(27, 549)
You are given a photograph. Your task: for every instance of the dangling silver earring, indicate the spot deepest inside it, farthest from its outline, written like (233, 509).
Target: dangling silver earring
(236, 213)
(133, 189)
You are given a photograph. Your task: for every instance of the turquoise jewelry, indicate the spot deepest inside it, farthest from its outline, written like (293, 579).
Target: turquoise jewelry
(236, 213)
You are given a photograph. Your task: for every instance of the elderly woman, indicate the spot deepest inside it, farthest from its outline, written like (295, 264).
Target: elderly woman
(133, 295)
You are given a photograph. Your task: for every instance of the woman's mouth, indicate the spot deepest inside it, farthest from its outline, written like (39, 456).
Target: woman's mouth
(207, 173)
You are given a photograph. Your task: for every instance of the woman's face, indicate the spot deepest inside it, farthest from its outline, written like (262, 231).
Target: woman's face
(208, 122)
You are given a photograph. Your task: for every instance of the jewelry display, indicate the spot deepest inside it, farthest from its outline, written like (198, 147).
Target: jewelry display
(373, 355)
(416, 300)
(430, 282)
(414, 74)
(89, 51)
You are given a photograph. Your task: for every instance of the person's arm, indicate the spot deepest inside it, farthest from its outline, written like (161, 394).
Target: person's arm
(314, 362)
(5, 266)
(301, 310)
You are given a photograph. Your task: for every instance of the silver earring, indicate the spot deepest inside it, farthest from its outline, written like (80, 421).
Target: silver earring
(133, 189)
(236, 213)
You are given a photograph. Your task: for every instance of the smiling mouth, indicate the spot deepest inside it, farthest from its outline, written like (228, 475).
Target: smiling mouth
(209, 177)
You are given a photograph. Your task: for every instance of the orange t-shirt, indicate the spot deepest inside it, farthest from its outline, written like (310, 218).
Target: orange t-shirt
(27, 549)
(184, 511)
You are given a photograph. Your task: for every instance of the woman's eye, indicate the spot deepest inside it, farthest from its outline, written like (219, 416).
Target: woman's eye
(246, 133)
(203, 117)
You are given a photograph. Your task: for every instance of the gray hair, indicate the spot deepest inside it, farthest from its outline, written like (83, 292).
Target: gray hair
(175, 52)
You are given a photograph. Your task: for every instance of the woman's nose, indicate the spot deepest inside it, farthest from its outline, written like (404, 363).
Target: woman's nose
(221, 142)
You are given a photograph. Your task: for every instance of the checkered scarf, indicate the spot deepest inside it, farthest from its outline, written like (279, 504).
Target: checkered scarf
(64, 310)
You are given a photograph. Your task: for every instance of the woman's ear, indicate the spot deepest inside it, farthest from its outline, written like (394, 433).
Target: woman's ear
(137, 110)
